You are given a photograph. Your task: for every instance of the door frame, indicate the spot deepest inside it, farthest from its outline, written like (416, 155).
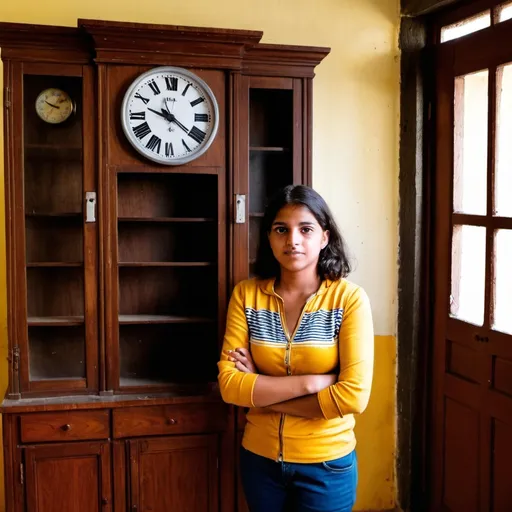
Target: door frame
(418, 41)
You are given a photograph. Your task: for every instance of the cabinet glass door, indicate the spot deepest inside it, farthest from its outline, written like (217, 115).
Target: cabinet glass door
(59, 346)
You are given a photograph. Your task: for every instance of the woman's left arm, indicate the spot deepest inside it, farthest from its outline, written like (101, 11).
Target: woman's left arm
(351, 393)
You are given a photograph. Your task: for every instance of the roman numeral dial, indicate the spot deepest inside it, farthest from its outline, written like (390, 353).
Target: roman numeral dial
(170, 115)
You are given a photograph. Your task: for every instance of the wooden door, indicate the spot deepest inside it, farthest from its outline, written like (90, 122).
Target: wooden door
(472, 386)
(174, 473)
(74, 477)
(52, 236)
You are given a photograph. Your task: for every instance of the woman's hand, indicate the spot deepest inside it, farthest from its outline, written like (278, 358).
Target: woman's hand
(317, 383)
(243, 360)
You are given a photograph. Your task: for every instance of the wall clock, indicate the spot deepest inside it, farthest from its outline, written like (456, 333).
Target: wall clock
(54, 106)
(170, 115)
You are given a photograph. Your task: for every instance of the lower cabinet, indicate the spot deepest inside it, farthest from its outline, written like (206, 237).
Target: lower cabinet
(71, 477)
(177, 473)
(147, 458)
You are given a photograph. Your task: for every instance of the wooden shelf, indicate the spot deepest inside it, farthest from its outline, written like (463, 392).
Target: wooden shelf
(268, 149)
(49, 321)
(66, 215)
(165, 219)
(54, 151)
(133, 382)
(166, 264)
(78, 381)
(162, 319)
(257, 215)
(53, 264)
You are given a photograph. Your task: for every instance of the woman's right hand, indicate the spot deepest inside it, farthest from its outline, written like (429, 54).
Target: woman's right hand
(317, 383)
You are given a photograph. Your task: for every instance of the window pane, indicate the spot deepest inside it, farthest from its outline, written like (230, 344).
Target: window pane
(503, 178)
(467, 26)
(468, 274)
(503, 281)
(505, 12)
(470, 141)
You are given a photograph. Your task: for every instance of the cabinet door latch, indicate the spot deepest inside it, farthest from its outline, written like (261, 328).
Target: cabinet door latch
(240, 209)
(90, 207)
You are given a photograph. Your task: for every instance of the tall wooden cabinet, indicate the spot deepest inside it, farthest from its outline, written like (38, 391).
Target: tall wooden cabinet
(119, 268)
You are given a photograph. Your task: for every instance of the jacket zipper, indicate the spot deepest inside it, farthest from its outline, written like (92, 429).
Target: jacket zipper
(287, 357)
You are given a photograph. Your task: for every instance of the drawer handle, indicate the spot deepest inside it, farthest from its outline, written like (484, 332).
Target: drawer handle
(66, 427)
(171, 421)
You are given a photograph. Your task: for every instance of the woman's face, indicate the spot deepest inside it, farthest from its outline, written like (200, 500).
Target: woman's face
(296, 238)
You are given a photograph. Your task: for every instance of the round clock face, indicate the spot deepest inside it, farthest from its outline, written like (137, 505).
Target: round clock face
(54, 106)
(170, 115)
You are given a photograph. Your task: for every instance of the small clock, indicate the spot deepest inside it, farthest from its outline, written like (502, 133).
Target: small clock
(170, 115)
(54, 106)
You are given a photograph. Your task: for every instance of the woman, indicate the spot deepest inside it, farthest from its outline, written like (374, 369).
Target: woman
(298, 351)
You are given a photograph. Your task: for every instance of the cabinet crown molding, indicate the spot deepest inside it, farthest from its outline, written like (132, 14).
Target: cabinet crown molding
(140, 43)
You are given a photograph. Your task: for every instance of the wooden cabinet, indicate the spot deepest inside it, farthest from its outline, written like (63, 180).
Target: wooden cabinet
(120, 268)
(159, 466)
(74, 476)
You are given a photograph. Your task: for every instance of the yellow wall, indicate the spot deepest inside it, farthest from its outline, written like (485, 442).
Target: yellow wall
(355, 156)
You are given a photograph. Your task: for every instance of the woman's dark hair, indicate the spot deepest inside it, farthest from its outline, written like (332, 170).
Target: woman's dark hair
(333, 262)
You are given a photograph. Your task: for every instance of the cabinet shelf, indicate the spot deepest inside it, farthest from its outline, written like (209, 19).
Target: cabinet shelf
(49, 321)
(145, 264)
(162, 319)
(166, 219)
(53, 151)
(68, 215)
(269, 149)
(257, 215)
(53, 264)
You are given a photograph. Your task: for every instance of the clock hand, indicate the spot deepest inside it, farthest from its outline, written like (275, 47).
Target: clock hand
(161, 114)
(172, 117)
(51, 105)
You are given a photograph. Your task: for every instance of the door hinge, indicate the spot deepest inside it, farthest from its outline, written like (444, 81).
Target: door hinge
(15, 358)
(22, 478)
(7, 98)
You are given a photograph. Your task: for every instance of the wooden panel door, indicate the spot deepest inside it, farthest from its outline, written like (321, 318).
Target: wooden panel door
(174, 473)
(472, 413)
(74, 477)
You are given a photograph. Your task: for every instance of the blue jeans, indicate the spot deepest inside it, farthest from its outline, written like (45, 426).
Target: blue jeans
(271, 486)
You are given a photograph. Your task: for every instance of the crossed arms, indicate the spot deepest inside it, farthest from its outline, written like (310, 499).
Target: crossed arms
(310, 396)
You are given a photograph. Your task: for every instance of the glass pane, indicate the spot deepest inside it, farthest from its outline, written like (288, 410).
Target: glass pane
(468, 274)
(503, 281)
(465, 27)
(271, 154)
(505, 12)
(53, 177)
(470, 144)
(503, 178)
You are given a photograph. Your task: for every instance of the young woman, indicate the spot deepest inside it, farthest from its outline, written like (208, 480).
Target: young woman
(298, 351)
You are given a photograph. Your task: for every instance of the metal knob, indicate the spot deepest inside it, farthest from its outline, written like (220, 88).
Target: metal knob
(66, 427)
(171, 421)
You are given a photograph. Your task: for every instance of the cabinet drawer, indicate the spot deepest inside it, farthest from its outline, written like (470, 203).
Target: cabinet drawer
(169, 419)
(64, 426)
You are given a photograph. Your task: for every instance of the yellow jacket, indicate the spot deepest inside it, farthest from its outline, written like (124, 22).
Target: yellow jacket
(334, 333)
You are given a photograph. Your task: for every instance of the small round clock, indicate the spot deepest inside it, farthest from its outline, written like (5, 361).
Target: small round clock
(170, 115)
(54, 106)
